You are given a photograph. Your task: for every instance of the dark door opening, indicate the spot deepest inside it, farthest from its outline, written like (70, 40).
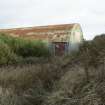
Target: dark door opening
(60, 48)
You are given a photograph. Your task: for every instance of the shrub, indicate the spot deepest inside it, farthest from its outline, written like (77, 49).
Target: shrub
(13, 50)
(27, 48)
(6, 55)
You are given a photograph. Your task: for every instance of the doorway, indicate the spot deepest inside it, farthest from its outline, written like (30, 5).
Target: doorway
(60, 48)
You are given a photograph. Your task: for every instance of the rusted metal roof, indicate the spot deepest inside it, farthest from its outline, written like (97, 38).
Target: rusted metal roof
(55, 33)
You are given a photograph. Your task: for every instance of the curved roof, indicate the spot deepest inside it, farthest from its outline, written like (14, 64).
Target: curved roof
(55, 33)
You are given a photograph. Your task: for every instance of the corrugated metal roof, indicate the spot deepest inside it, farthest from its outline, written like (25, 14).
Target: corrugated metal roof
(57, 33)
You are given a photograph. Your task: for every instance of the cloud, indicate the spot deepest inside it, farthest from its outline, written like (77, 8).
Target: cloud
(89, 13)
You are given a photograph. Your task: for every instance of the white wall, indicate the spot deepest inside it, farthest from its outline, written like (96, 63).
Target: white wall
(76, 37)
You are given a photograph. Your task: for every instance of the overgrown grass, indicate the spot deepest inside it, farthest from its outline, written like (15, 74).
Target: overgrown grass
(15, 49)
(84, 81)
(28, 84)
(77, 79)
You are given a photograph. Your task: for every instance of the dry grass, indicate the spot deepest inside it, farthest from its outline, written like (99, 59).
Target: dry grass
(49, 84)
(28, 84)
(72, 89)
(57, 80)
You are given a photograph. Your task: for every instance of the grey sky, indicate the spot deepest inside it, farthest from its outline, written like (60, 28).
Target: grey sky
(89, 13)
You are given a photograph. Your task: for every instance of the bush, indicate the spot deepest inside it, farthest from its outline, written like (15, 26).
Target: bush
(13, 50)
(26, 48)
(6, 55)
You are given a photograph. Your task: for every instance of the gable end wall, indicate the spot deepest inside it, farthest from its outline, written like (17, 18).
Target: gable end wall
(76, 38)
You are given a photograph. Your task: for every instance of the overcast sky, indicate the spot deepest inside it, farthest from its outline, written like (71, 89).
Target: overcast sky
(89, 13)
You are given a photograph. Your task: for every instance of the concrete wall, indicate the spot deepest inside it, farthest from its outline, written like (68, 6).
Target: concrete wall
(76, 37)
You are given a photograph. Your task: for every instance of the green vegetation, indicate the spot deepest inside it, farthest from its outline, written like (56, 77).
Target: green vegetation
(15, 49)
(76, 79)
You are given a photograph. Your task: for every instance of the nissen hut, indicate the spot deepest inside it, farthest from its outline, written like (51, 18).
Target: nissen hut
(61, 39)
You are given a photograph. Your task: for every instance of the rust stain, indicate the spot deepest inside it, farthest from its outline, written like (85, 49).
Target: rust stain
(52, 32)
